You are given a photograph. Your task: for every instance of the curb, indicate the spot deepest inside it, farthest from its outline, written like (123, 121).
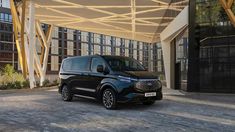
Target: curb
(10, 91)
(185, 93)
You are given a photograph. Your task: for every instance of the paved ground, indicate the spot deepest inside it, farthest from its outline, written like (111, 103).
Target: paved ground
(45, 111)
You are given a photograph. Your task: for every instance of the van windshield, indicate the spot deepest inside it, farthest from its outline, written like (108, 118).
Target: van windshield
(117, 63)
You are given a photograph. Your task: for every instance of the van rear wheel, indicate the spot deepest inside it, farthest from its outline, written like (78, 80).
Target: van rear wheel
(66, 93)
(109, 99)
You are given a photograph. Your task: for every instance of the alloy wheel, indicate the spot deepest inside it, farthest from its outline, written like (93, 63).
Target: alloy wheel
(65, 93)
(108, 99)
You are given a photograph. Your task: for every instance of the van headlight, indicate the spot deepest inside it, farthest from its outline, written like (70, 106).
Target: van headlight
(126, 79)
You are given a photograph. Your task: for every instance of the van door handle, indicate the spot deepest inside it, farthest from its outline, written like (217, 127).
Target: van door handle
(86, 74)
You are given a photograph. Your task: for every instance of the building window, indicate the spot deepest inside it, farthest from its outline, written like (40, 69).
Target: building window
(5, 3)
(2, 16)
(70, 48)
(97, 49)
(10, 18)
(54, 63)
(84, 49)
(108, 40)
(5, 17)
(97, 38)
(84, 36)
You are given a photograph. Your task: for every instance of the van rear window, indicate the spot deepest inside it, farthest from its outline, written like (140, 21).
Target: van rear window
(80, 64)
(76, 64)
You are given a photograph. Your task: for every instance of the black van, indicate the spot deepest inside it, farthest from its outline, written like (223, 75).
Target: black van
(110, 79)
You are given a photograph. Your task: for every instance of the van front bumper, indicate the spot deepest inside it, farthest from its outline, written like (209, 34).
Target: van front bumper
(139, 97)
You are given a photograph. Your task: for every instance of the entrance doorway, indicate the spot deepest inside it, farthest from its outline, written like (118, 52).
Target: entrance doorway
(181, 60)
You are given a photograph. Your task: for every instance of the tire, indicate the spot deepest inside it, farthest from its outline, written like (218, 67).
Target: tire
(159, 97)
(109, 99)
(148, 102)
(66, 93)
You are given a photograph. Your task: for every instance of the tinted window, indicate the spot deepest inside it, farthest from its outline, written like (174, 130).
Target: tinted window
(95, 62)
(67, 64)
(123, 64)
(80, 64)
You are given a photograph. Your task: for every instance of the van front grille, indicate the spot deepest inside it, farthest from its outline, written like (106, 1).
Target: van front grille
(147, 85)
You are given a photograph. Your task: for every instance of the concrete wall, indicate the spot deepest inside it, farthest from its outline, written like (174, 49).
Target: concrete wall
(168, 34)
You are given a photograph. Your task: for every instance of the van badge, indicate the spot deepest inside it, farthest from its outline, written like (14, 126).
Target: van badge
(149, 84)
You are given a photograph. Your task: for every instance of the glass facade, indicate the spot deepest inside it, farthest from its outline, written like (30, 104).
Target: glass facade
(157, 58)
(8, 53)
(214, 46)
(181, 60)
(6, 17)
(69, 42)
(5, 3)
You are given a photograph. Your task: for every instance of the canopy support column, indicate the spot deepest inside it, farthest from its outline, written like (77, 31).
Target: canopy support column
(178, 25)
(32, 43)
(26, 31)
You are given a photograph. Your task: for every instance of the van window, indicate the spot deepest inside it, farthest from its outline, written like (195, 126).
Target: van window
(80, 64)
(67, 64)
(123, 63)
(95, 62)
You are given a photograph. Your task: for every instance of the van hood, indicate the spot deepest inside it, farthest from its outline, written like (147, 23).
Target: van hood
(139, 74)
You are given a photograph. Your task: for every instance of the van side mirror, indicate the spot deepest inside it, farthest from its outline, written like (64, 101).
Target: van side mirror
(100, 68)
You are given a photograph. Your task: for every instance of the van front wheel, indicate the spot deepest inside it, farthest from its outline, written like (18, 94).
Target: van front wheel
(66, 93)
(109, 99)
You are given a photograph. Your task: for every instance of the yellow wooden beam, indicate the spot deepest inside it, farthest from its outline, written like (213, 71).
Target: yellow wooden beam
(40, 32)
(48, 33)
(42, 46)
(230, 3)
(37, 65)
(227, 5)
(16, 33)
(22, 34)
(37, 71)
(14, 14)
(43, 39)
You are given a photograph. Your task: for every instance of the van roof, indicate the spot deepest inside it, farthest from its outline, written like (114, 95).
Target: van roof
(93, 56)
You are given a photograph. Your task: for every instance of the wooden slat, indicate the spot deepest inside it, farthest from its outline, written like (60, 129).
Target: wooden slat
(227, 5)
(22, 34)
(15, 20)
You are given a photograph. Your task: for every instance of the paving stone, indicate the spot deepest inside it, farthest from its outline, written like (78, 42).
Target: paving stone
(44, 110)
